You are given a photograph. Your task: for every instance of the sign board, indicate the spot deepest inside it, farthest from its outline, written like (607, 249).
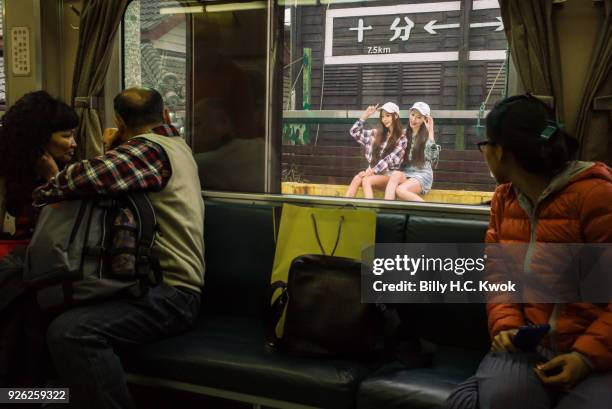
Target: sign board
(20, 51)
(402, 33)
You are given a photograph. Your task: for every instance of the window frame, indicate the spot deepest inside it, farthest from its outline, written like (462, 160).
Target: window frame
(273, 131)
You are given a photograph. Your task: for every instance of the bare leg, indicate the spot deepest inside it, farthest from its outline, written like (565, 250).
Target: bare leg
(396, 179)
(373, 181)
(409, 190)
(352, 189)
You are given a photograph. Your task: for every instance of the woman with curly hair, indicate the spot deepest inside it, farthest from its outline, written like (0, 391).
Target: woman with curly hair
(36, 140)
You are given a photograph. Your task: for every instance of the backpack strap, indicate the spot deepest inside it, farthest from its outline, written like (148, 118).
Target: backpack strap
(148, 227)
(276, 217)
(275, 312)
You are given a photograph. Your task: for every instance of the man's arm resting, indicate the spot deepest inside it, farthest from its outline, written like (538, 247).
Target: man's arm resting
(138, 164)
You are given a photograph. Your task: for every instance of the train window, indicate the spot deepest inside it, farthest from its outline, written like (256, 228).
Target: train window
(338, 57)
(155, 53)
(343, 56)
(224, 46)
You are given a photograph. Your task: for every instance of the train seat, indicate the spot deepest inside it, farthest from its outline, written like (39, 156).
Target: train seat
(226, 354)
(454, 334)
(394, 387)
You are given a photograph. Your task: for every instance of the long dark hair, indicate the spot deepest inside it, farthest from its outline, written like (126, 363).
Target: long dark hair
(416, 145)
(26, 130)
(382, 135)
(525, 126)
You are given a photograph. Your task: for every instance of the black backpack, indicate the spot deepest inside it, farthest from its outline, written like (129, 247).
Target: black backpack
(92, 249)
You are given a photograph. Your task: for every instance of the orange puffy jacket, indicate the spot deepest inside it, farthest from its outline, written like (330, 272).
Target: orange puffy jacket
(575, 208)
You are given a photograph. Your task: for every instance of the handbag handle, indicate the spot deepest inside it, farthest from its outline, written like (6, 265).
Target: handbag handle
(316, 230)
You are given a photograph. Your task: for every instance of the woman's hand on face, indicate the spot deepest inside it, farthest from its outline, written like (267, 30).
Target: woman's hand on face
(503, 341)
(47, 167)
(564, 370)
(368, 112)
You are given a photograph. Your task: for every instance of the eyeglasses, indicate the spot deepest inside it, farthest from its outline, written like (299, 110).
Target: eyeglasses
(482, 144)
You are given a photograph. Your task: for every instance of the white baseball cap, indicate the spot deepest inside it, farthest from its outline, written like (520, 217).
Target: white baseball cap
(391, 108)
(422, 107)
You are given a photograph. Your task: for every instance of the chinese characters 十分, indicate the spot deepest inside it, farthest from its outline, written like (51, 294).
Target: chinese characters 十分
(400, 32)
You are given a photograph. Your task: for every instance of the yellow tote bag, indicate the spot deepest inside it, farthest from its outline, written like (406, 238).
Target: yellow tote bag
(349, 230)
(342, 232)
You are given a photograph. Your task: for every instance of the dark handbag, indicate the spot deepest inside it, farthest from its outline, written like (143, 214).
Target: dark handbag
(324, 314)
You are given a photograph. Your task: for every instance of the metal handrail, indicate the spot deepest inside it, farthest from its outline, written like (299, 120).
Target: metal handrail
(478, 212)
(468, 117)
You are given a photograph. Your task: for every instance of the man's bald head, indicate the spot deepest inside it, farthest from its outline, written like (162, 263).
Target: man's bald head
(138, 107)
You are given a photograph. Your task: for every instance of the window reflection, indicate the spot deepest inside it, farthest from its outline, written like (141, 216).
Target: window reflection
(229, 63)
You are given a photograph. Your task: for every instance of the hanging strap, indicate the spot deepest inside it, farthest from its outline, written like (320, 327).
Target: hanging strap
(275, 312)
(494, 82)
(484, 103)
(276, 216)
(316, 230)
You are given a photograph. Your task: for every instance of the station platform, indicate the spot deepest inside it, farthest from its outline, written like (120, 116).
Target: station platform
(434, 195)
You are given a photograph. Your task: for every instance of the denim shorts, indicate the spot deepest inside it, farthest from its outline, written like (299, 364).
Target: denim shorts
(423, 175)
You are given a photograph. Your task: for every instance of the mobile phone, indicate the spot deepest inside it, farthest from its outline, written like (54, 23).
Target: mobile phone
(529, 336)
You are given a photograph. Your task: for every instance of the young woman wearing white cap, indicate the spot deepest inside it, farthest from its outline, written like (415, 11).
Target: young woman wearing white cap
(417, 176)
(384, 149)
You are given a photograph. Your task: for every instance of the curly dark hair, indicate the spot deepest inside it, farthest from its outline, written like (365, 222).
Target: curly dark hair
(26, 130)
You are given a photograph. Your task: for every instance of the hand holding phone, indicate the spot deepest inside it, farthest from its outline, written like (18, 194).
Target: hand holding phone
(564, 370)
(529, 336)
(503, 341)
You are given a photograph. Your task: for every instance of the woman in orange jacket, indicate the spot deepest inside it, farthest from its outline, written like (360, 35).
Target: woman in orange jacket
(544, 197)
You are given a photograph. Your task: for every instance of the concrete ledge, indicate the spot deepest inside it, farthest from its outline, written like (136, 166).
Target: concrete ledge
(434, 196)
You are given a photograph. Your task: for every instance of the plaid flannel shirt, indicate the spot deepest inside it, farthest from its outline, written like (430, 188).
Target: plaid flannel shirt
(137, 164)
(365, 137)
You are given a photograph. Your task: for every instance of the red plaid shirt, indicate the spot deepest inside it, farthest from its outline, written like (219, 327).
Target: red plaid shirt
(137, 164)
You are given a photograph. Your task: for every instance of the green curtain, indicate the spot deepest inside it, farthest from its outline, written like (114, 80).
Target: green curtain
(531, 36)
(99, 23)
(594, 126)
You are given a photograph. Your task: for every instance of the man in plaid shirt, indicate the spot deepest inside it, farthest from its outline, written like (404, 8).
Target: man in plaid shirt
(137, 164)
(149, 155)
